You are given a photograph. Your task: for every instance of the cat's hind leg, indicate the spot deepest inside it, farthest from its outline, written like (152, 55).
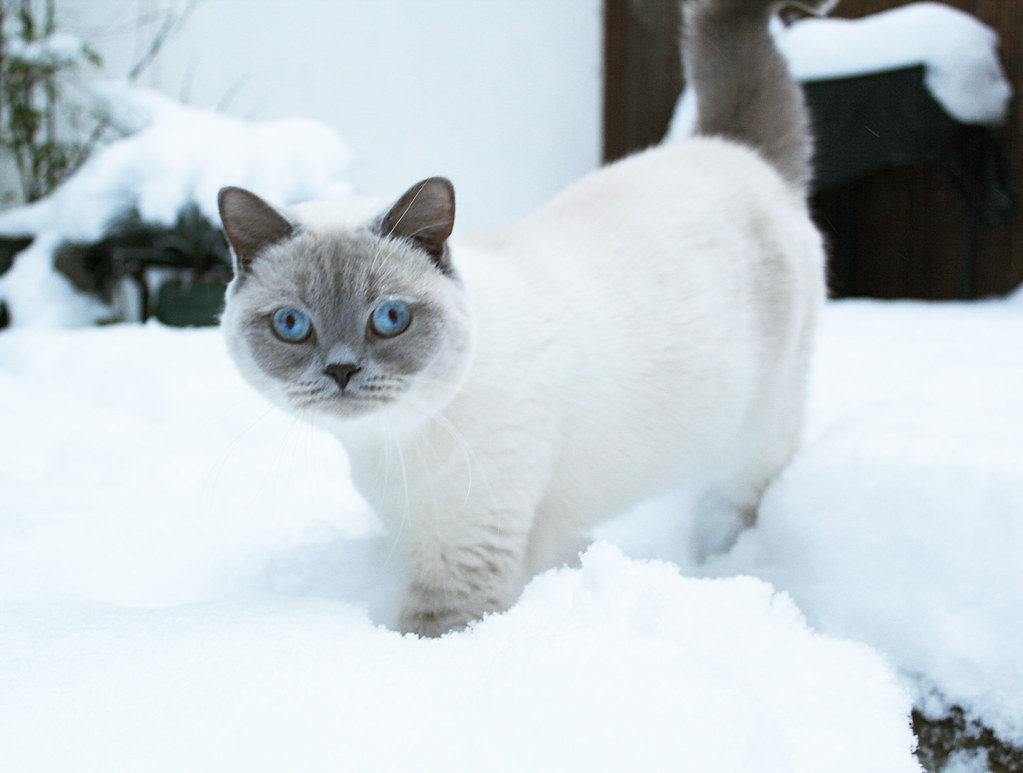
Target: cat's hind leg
(770, 442)
(720, 516)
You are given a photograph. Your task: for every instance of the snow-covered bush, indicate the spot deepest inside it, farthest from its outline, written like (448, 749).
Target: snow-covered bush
(37, 65)
(169, 158)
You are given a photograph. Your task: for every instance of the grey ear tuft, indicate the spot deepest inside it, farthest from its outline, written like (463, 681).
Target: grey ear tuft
(251, 225)
(425, 214)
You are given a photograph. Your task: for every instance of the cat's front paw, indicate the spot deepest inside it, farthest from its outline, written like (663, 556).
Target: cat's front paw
(431, 623)
(434, 606)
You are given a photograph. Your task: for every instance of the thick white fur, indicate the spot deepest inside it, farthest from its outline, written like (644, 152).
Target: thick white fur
(650, 326)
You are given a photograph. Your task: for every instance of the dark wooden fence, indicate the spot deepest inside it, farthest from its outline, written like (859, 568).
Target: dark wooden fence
(896, 233)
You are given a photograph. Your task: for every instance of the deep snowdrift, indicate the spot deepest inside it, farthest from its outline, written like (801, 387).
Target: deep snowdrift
(914, 542)
(187, 579)
(900, 523)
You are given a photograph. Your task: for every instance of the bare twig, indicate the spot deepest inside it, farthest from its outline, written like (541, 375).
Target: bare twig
(167, 26)
(170, 21)
(231, 93)
(3, 41)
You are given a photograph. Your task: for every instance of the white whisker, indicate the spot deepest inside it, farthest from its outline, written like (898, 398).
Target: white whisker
(407, 509)
(222, 457)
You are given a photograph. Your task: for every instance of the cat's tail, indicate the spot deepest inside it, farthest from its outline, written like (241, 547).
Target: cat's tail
(744, 91)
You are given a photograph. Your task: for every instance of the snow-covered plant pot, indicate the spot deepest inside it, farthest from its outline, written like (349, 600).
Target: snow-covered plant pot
(129, 266)
(188, 304)
(9, 247)
(171, 160)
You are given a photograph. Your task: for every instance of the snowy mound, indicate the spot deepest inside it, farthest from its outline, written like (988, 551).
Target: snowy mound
(172, 155)
(960, 55)
(179, 562)
(958, 52)
(617, 666)
(54, 49)
(901, 523)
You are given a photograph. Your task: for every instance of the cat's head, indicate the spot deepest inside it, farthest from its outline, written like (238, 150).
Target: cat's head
(344, 322)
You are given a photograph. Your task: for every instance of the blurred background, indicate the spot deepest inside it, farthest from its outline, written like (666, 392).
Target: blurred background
(503, 96)
(511, 99)
(897, 225)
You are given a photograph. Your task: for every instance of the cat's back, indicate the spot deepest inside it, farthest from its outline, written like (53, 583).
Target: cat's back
(705, 219)
(643, 315)
(697, 184)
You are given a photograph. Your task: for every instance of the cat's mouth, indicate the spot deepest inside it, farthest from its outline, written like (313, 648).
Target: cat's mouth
(348, 403)
(350, 399)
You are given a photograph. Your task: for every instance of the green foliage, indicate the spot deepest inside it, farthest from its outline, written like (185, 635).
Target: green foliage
(36, 66)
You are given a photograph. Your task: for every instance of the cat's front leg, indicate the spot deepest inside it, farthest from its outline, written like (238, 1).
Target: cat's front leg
(453, 585)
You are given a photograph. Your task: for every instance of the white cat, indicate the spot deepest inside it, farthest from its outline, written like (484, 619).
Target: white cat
(500, 394)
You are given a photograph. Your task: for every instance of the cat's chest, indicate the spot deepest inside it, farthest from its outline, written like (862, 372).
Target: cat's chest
(459, 464)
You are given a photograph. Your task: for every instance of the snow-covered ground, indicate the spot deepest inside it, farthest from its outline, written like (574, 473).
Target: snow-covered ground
(189, 582)
(900, 523)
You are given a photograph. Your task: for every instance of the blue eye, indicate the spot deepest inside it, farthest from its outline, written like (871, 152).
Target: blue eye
(291, 325)
(390, 318)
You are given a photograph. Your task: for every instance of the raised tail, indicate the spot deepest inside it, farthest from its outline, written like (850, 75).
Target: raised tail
(743, 88)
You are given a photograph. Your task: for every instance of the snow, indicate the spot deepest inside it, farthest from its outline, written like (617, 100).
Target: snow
(900, 523)
(187, 579)
(595, 669)
(417, 88)
(959, 53)
(55, 49)
(914, 545)
(172, 155)
(966, 762)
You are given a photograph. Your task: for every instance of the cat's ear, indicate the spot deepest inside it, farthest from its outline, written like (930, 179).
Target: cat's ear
(425, 214)
(251, 225)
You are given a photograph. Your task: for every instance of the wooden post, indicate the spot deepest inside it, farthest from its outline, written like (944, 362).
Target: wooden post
(642, 73)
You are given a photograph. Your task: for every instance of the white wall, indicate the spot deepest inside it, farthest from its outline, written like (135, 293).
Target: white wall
(502, 96)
